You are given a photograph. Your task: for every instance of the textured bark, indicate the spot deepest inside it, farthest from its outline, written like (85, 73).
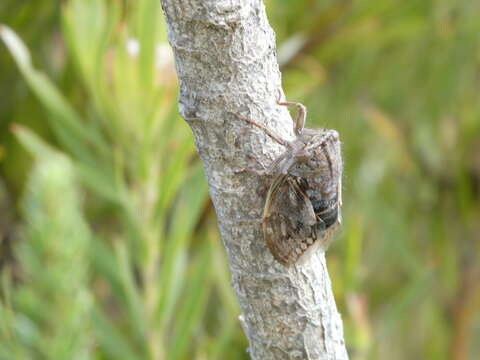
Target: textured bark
(226, 62)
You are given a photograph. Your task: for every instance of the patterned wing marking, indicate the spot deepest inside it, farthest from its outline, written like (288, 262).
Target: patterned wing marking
(290, 226)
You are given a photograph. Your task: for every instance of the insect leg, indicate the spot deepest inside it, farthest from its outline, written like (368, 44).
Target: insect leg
(277, 165)
(275, 137)
(301, 116)
(255, 171)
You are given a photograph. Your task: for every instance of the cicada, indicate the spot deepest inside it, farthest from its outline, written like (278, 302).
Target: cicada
(303, 203)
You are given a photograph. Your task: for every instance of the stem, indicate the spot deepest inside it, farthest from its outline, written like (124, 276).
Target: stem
(226, 63)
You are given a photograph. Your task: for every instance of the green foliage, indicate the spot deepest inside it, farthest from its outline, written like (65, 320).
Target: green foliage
(114, 253)
(147, 272)
(399, 82)
(47, 316)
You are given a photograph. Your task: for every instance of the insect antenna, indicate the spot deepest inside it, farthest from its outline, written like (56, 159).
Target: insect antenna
(267, 131)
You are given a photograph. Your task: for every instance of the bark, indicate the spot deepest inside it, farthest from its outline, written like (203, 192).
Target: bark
(226, 63)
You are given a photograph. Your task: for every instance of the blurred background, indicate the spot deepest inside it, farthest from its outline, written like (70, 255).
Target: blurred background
(108, 240)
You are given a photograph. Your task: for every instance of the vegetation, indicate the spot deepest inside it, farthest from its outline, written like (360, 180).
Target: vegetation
(108, 242)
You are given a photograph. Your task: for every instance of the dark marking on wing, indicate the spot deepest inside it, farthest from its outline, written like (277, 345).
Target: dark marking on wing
(290, 224)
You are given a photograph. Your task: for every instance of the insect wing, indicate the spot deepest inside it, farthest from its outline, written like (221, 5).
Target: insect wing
(290, 226)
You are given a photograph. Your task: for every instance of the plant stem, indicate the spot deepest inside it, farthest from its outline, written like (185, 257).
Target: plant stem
(226, 63)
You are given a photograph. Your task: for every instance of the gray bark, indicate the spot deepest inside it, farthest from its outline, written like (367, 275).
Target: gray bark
(226, 62)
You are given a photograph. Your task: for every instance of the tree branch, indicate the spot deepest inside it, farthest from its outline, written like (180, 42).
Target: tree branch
(226, 62)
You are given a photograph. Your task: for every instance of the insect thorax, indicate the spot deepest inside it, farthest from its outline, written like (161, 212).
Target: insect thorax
(319, 165)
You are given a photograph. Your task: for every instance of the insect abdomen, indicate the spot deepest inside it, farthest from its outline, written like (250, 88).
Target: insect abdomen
(327, 210)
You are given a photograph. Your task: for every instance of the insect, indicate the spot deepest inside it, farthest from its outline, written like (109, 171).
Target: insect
(303, 203)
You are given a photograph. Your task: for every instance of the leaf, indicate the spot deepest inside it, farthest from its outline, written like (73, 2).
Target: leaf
(188, 316)
(147, 29)
(74, 134)
(185, 217)
(134, 300)
(54, 258)
(111, 339)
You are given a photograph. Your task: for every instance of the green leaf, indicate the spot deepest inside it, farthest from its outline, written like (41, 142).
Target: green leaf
(75, 135)
(134, 300)
(185, 216)
(111, 340)
(188, 315)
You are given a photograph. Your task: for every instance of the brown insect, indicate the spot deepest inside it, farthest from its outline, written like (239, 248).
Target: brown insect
(303, 203)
